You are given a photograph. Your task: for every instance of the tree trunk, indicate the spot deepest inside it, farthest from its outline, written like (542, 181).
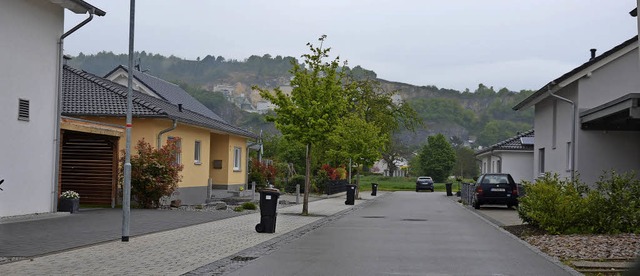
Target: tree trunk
(307, 182)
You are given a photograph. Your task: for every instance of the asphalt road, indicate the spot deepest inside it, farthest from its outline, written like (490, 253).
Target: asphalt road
(405, 233)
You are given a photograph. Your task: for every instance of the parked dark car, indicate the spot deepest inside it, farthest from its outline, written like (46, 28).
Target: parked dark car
(495, 188)
(424, 183)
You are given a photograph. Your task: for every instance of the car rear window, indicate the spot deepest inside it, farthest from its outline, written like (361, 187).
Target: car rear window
(495, 179)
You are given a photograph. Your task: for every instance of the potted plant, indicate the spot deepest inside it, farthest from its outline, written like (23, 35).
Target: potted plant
(69, 202)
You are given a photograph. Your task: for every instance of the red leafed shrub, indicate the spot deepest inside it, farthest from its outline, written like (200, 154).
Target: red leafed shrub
(261, 173)
(154, 172)
(331, 172)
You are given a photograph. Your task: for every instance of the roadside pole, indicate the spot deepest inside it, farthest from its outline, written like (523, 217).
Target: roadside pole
(126, 197)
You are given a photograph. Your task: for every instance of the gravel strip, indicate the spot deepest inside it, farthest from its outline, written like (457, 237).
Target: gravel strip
(588, 247)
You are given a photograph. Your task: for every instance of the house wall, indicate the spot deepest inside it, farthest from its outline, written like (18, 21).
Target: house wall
(555, 160)
(238, 177)
(195, 177)
(600, 151)
(222, 148)
(219, 151)
(596, 151)
(29, 55)
(518, 164)
(616, 79)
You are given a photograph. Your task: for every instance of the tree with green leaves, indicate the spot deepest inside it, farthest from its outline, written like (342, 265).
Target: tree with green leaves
(437, 158)
(376, 106)
(315, 106)
(465, 166)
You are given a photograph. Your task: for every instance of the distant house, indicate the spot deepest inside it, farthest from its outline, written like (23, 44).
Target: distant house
(31, 55)
(597, 101)
(513, 156)
(382, 167)
(214, 153)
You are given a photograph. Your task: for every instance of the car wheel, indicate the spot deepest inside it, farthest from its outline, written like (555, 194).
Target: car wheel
(417, 190)
(476, 204)
(509, 206)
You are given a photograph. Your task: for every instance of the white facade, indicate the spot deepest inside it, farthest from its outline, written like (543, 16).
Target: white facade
(381, 166)
(597, 151)
(516, 163)
(28, 53)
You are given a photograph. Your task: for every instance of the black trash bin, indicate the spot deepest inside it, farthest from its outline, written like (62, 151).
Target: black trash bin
(351, 194)
(448, 186)
(374, 189)
(268, 211)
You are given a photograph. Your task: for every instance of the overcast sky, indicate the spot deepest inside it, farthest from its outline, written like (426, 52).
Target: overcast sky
(451, 44)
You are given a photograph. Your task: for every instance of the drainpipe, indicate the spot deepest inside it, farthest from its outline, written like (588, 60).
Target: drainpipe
(159, 139)
(573, 125)
(56, 141)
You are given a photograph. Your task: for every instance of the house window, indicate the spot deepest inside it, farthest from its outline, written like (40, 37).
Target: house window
(499, 166)
(178, 148)
(196, 153)
(237, 158)
(541, 160)
(569, 156)
(555, 124)
(23, 110)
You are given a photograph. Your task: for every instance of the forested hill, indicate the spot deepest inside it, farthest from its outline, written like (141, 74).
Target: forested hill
(483, 113)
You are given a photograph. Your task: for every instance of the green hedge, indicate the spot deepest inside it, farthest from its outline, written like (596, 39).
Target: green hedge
(564, 207)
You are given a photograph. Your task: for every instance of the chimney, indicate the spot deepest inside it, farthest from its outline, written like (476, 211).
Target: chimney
(593, 53)
(65, 59)
(180, 107)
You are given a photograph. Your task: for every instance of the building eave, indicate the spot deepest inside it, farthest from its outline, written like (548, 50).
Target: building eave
(579, 72)
(79, 7)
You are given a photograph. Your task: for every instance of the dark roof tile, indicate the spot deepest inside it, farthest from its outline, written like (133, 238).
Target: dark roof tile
(85, 94)
(513, 143)
(171, 92)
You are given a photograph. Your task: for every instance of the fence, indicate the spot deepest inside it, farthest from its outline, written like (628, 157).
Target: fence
(467, 190)
(335, 186)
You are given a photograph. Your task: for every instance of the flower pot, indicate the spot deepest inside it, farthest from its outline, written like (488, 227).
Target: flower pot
(68, 205)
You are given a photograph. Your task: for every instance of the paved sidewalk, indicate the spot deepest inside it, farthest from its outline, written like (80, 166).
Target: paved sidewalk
(177, 251)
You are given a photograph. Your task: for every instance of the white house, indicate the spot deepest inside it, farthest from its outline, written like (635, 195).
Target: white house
(31, 57)
(381, 166)
(513, 156)
(588, 120)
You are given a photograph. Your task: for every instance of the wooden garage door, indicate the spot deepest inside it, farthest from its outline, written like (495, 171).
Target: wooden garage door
(89, 166)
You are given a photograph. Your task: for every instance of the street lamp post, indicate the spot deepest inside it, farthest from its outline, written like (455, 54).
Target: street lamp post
(126, 198)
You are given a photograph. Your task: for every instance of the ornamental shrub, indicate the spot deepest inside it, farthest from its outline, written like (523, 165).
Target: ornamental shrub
(261, 173)
(555, 205)
(154, 172)
(614, 206)
(249, 206)
(290, 186)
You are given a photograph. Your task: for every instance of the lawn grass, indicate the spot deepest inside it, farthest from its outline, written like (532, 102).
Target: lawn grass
(386, 183)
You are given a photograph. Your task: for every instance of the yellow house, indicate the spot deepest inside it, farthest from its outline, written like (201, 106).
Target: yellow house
(213, 151)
